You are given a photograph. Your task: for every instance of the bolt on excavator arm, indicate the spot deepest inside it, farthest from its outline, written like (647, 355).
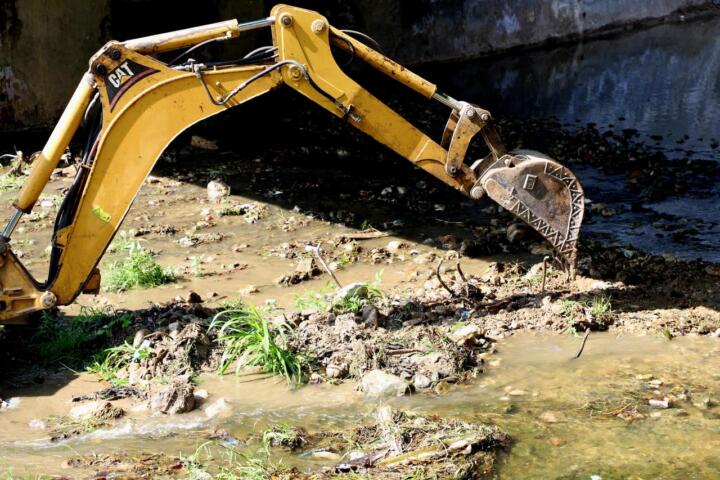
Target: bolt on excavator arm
(145, 103)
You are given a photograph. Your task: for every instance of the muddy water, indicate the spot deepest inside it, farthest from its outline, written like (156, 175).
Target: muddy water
(558, 435)
(532, 388)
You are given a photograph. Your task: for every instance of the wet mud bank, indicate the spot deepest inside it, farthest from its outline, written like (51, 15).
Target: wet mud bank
(437, 306)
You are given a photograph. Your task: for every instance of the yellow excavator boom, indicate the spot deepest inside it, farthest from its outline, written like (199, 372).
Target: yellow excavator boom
(145, 103)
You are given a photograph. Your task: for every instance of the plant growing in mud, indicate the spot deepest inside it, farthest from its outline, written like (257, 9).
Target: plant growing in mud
(250, 340)
(111, 361)
(317, 300)
(594, 313)
(234, 466)
(138, 269)
(283, 435)
(71, 339)
(352, 301)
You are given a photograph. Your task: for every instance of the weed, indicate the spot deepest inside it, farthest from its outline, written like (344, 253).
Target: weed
(108, 364)
(600, 307)
(9, 475)
(317, 300)
(70, 339)
(139, 269)
(251, 341)
(596, 310)
(367, 293)
(283, 435)
(10, 183)
(196, 266)
(228, 209)
(121, 243)
(235, 466)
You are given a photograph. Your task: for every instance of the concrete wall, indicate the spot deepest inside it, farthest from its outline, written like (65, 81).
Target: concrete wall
(45, 44)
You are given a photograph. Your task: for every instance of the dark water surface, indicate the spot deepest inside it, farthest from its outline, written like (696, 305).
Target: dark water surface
(663, 82)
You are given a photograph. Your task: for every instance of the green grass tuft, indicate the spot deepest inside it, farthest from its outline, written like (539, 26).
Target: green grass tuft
(317, 300)
(235, 465)
(251, 341)
(11, 182)
(111, 361)
(139, 269)
(71, 339)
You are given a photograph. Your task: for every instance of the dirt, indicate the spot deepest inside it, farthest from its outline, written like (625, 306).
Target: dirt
(436, 323)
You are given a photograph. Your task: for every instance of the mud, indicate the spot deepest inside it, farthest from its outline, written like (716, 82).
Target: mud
(434, 327)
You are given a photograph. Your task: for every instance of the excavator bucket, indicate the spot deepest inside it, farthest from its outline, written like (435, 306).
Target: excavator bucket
(544, 194)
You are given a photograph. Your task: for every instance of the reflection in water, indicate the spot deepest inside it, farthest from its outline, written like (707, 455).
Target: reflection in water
(663, 82)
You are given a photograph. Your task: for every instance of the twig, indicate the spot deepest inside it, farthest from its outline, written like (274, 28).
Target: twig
(544, 275)
(316, 251)
(582, 347)
(444, 285)
(460, 272)
(363, 235)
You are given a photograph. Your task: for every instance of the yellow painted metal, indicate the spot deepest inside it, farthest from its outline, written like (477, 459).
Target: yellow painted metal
(297, 41)
(183, 38)
(48, 159)
(151, 106)
(19, 295)
(141, 125)
(382, 63)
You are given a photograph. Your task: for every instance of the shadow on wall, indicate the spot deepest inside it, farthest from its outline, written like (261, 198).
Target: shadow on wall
(45, 48)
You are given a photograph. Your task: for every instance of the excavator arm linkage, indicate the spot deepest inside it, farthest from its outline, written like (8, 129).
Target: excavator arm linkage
(146, 103)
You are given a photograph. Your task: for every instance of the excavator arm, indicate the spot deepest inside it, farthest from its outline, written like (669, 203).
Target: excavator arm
(142, 104)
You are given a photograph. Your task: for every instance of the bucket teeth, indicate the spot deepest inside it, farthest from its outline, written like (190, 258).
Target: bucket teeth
(544, 194)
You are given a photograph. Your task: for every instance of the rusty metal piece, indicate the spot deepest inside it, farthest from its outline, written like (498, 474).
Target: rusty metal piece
(544, 194)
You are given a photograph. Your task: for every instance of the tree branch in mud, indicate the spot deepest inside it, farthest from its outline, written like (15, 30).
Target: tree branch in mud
(582, 346)
(444, 285)
(316, 252)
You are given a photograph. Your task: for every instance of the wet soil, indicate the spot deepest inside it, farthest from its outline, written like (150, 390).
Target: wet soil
(461, 300)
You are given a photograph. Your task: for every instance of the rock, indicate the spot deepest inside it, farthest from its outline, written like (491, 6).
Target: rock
(436, 365)
(424, 258)
(100, 410)
(663, 402)
(108, 411)
(316, 379)
(516, 232)
(394, 246)
(541, 249)
(248, 290)
(216, 408)
(193, 297)
(377, 383)
(466, 334)
(178, 397)
(713, 270)
(420, 381)
(217, 190)
(305, 265)
(357, 289)
(370, 315)
(37, 424)
(557, 442)
(324, 455)
(140, 337)
(548, 417)
(337, 370)
(203, 143)
(442, 388)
